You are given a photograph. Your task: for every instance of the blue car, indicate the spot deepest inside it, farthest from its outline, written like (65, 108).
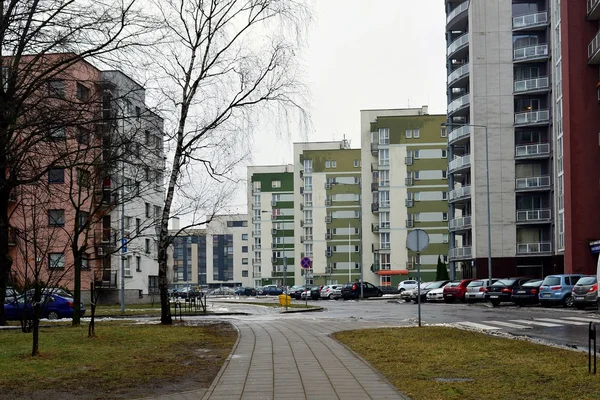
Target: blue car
(557, 289)
(53, 307)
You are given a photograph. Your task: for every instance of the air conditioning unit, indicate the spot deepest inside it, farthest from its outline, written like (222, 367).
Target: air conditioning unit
(273, 232)
(301, 222)
(328, 270)
(328, 253)
(327, 185)
(328, 236)
(301, 189)
(328, 203)
(274, 260)
(301, 207)
(273, 203)
(410, 223)
(409, 181)
(301, 174)
(408, 160)
(328, 219)
(409, 202)
(301, 239)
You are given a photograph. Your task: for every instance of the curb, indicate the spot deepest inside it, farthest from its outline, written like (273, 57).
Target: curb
(215, 381)
(302, 310)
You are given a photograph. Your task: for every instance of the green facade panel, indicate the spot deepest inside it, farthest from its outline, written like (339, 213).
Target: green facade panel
(266, 179)
(344, 159)
(429, 128)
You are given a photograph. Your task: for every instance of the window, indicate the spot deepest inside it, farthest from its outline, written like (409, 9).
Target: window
(85, 263)
(244, 249)
(245, 273)
(244, 236)
(83, 93)
(56, 260)
(444, 238)
(327, 164)
(333, 164)
(136, 188)
(416, 154)
(127, 223)
(444, 132)
(386, 280)
(417, 217)
(152, 284)
(417, 196)
(127, 271)
(444, 174)
(83, 178)
(444, 216)
(57, 133)
(148, 137)
(148, 210)
(417, 175)
(83, 136)
(244, 261)
(308, 166)
(56, 217)
(56, 88)
(409, 133)
(275, 184)
(444, 195)
(444, 153)
(147, 246)
(138, 264)
(138, 223)
(237, 224)
(416, 133)
(356, 163)
(84, 218)
(157, 212)
(56, 175)
(138, 112)
(384, 136)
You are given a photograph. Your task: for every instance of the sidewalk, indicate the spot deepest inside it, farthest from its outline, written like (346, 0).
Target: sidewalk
(292, 360)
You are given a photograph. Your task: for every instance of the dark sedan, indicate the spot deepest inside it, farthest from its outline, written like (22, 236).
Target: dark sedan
(527, 293)
(502, 290)
(295, 292)
(245, 291)
(425, 290)
(352, 290)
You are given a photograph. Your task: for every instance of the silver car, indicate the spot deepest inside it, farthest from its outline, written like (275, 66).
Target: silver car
(331, 292)
(406, 294)
(476, 290)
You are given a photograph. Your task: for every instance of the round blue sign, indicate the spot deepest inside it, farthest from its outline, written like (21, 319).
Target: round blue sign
(305, 262)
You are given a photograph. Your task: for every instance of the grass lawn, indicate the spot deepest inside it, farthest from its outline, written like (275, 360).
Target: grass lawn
(412, 359)
(124, 360)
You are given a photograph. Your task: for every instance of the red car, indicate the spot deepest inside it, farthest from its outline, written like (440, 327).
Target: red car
(456, 290)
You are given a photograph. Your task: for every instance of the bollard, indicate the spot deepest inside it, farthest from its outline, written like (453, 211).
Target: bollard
(591, 337)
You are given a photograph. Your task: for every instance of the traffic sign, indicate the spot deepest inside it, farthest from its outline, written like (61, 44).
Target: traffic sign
(305, 262)
(417, 240)
(124, 245)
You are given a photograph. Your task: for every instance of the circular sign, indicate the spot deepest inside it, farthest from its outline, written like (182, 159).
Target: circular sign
(305, 262)
(417, 240)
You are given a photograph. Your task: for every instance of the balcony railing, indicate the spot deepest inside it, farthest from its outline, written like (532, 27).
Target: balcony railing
(531, 150)
(384, 204)
(593, 9)
(532, 183)
(384, 225)
(458, 73)
(524, 53)
(534, 215)
(529, 20)
(384, 184)
(459, 162)
(530, 85)
(463, 7)
(462, 192)
(594, 50)
(458, 43)
(459, 223)
(458, 103)
(458, 133)
(532, 117)
(374, 227)
(534, 248)
(460, 253)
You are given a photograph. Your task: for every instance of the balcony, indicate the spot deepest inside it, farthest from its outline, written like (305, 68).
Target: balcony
(533, 183)
(381, 247)
(384, 205)
(307, 238)
(374, 227)
(459, 194)
(409, 181)
(374, 207)
(456, 15)
(459, 134)
(534, 216)
(384, 226)
(460, 253)
(458, 104)
(256, 275)
(459, 163)
(374, 148)
(529, 86)
(531, 21)
(593, 9)
(456, 46)
(534, 248)
(384, 184)
(458, 224)
(594, 50)
(530, 53)
(408, 160)
(308, 222)
(409, 203)
(530, 151)
(107, 280)
(458, 76)
(374, 186)
(256, 206)
(374, 166)
(540, 117)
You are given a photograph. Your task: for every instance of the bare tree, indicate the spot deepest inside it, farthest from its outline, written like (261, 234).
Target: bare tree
(227, 61)
(41, 41)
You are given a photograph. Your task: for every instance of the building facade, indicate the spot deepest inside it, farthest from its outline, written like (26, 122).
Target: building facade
(404, 187)
(271, 201)
(327, 190)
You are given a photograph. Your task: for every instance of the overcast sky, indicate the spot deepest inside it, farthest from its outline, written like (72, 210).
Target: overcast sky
(364, 54)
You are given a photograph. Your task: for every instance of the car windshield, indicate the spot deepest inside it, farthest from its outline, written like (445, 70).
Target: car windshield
(533, 283)
(586, 280)
(475, 284)
(436, 285)
(551, 281)
(453, 284)
(504, 282)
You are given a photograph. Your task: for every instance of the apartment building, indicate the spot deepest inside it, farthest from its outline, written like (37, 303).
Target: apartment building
(327, 189)
(273, 240)
(405, 187)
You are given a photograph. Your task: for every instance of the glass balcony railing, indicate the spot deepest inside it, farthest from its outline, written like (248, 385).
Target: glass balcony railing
(462, 192)
(594, 50)
(458, 73)
(593, 9)
(459, 162)
(524, 53)
(460, 252)
(532, 183)
(534, 248)
(458, 103)
(463, 7)
(458, 43)
(532, 117)
(528, 85)
(534, 215)
(532, 150)
(459, 223)
(458, 133)
(529, 20)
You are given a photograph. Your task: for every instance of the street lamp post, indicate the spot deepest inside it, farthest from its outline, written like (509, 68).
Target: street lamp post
(487, 177)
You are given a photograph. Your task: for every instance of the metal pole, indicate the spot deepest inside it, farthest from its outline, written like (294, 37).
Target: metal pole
(284, 271)
(349, 256)
(123, 243)
(489, 218)
(359, 252)
(419, 281)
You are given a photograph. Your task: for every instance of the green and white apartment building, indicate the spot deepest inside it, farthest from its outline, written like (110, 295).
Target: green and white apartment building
(272, 227)
(405, 187)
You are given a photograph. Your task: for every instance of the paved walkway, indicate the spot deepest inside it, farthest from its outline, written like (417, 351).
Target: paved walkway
(294, 359)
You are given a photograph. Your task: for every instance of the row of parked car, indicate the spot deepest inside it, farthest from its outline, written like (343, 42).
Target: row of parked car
(562, 289)
(55, 303)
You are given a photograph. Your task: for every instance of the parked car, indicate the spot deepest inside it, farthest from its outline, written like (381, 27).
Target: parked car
(53, 307)
(271, 291)
(407, 294)
(51, 290)
(188, 293)
(222, 291)
(408, 284)
(10, 295)
(456, 290)
(313, 292)
(352, 290)
(295, 292)
(425, 290)
(435, 295)
(502, 289)
(245, 291)
(476, 290)
(331, 292)
(558, 289)
(388, 289)
(527, 293)
(585, 292)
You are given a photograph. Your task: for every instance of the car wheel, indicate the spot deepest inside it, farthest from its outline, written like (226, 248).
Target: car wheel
(407, 300)
(495, 303)
(330, 296)
(402, 290)
(379, 294)
(53, 315)
(568, 301)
